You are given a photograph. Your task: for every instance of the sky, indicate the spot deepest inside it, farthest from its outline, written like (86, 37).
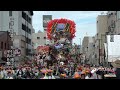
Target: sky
(85, 21)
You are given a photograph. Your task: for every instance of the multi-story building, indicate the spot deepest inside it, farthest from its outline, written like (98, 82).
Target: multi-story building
(91, 50)
(46, 19)
(113, 22)
(5, 42)
(39, 39)
(19, 24)
(85, 44)
(100, 38)
(88, 48)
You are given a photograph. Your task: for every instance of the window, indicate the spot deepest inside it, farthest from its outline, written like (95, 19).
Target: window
(5, 45)
(29, 41)
(10, 13)
(118, 15)
(27, 18)
(29, 31)
(1, 45)
(109, 28)
(26, 40)
(111, 38)
(23, 27)
(30, 20)
(44, 37)
(24, 15)
(38, 37)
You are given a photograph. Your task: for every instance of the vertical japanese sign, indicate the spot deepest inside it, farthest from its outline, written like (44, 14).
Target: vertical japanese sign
(10, 55)
(11, 27)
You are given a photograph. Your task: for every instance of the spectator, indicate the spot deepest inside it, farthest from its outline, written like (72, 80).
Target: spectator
(116, 65)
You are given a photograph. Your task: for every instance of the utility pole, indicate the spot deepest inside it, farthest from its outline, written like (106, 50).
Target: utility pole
(99, 51)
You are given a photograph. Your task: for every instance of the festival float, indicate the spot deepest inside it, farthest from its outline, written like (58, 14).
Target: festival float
(61, 31)
(43, 49)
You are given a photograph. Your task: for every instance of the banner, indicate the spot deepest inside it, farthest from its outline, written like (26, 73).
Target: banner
(106, 50)
(113, 48)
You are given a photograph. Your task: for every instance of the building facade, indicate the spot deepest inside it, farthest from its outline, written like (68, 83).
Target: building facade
(113, 22)
(46, 19)
(19, 24)
(85, 44)
(39, 39)
(5, 42)
(88, 48)
(100, 38)
(91, 50)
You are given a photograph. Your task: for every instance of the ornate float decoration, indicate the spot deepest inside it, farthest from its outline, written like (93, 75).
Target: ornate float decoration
(61, 28)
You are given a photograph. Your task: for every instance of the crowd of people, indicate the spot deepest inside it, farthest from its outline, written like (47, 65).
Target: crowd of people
(43, 68)
(59, 62)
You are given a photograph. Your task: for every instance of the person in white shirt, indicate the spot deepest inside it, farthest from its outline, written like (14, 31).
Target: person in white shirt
(5, 73)
(9, 75)
(1, 74)
(45, 76)
(94, 75)
(50, 76)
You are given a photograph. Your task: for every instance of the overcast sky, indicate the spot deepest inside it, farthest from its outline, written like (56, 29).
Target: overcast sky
(85, 21)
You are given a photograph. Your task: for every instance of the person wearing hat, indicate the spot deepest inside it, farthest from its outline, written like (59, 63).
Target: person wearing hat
(76, 75)
(9, 74)
(63, 76)
(116, 65)
(50, 74)
(44, 73)
(19, 72)
(83, 74)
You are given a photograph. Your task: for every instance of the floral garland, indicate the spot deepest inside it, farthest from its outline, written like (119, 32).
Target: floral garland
(51, 27)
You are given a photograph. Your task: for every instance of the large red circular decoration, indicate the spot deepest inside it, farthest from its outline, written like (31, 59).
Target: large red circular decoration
(64, 25)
